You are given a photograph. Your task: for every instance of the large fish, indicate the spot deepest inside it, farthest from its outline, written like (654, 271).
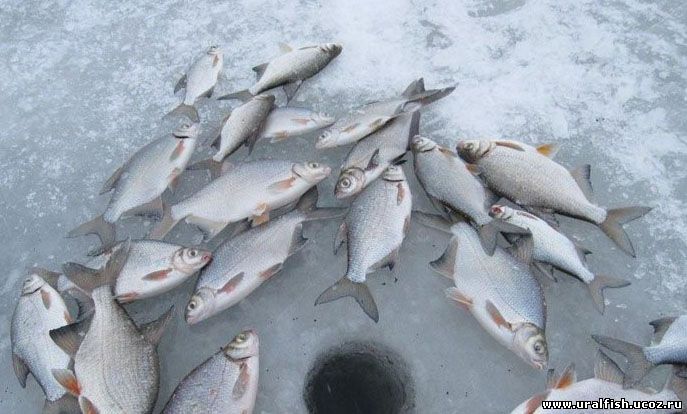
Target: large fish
(547, 245)
(671, 332)
(290, 69)
(199, 80)
(605, 390)
(451, 187)
(371, 117)
(40, 309)
(373, 230)
(369, 158)
(499, 291)
(139, 184)
(534, 181)
(244, 262)
(248, 190)
(116, 368)
(225, 383)
(288, 122)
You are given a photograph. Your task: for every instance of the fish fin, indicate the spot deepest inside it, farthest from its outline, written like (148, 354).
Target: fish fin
(158, 275)
(45, 297)
(232, 283)
(165, 225)
(582, 176)
(434, 221)
(424, 98)
(181, 83)
(497, 317)
(290, 90)
(406, 225)
(446, 264)
(209, 92)
(152, 208)
(544, 269)
(127, 297)
(98, 226)
(189, 111)
(297, 241)
(252, 140)
(112, 181)
(535, 403)
(87, 406)
(84, 303)
(613, 225)
(49, 276)
(242, 381)
(488, 233)
(414, 128)
(326, 213)
(511, 145)
(261, 218)
(661, 326)
(308, 201)
(606, 369)
(88, 279)
(547, 215)
(285, 48)
(271, 271)
(153, 331)
(388, 261)
(20, 369)
(210, 229)
(67, 380)
(69, 337)
(461, 300)
(638, 365)
(473, 169)
(415, 87)
(358, 291)
(582, 252)
(567, 378)
(282, 185)
(601, 282)
(400, 193)
(523, 249)
(374, 161)
(678, 384)
(341, 236)
(549, 150)
(243, 95)
(67, 404)
(260, 70)
(178, 150)
(214, 167)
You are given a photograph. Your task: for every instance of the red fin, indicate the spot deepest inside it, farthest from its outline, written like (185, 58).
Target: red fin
(282, 185)
(159, 275)
(241, 382)
(548, 150)
(350, 127)
(232, 283)
(446, 152)
(68, 318)
(461, 300)
(261, 215)
(302, 121)
(45, 295)
(87, 406)
(473, 168)
(270, 271)
(534, 403)
(401, 194)
(67, 380)
(280, 135)
(177, 150)
(215, 60)
(127, 297)
(496, 316)
(567, 378)
(377, 123)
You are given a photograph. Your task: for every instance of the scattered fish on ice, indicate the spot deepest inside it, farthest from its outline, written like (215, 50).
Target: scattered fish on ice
(288, 122)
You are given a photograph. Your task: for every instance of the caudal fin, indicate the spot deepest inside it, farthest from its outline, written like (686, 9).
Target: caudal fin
(88, 279)
(678, 384)
(425, 98)
(67, 404)
(638, 366)
(488, 233)
(613, 225)
(358, 291)
(243, 95)
(101, 228)
(601, 282)
(188, 111)
(215, 167)
(165, 225)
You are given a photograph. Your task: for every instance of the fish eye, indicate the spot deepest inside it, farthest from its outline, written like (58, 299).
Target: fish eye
(313, 165)
(241, 337)
(192, 305)
(185, 126)
(193, 252)
(538, 347)
(345, 183)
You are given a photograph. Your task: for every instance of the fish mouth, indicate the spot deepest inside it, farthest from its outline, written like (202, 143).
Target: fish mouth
(324, 141)
(496, 211)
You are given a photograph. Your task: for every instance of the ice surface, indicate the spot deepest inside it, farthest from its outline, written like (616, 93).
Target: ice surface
(85, 83)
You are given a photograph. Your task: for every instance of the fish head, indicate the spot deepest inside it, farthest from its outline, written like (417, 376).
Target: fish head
(191, 259)
(530, 345)
(186, 130)
(32, 283)
(322, 119)
(244, 345)
(351, 182)
(200, 306)
(421, 144)
(328, 139)
(312, 172)
(501, 212)
(394, 173)
(472, 150)
(214, 50)
(331, 49)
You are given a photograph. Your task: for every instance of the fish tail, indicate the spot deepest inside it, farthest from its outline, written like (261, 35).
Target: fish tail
(215, 167)
(165, 225)
(326, 213)
(613, 225)
(678, 384)
(601, 282)
(307, 205)
(243, 95)
(98, 226)
(425, 98)
(417, 86)
(434, 221)
(488, 233)
(188, 111)
(638, 365)
(88, 279)
(358, 291)
(67, 404)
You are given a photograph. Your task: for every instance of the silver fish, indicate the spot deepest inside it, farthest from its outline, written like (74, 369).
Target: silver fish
(605, 388)
(547, 245)
(373, 230)
(225, 383)
(289, 69)
(535, 181)
(116, 367)
(140, 182)
(368, 159)
(288, 122)
(248, 190)
(499, 291)
(371, 117)
(236, 270)
(199, 80)
(671, 332)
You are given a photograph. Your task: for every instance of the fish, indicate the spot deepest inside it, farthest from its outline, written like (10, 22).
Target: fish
(288, 122)
(604, 389)
(671, 333)
(200, 80)
(249, 190)
(116, 367)
(373, 229)
(451, 187)
(244, 262)
(227, 382)
(548, 246)
(40, 309)
(289, 70)
(372, 116)
(499, 291)
(137, 186)
(533, 180)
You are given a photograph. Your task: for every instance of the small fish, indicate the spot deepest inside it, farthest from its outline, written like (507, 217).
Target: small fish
(116, 368)
(247, 260)
(536, 182)
(225, 383)
(290, 69)
(249, 190)
(671, 332)
(373, 230)
(499, 291)
(371, 117)
(199, 80)
(288, 122)
(605, 388)
(139, 184)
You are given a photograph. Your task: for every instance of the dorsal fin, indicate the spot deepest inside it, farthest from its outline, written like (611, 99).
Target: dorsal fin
(374, 161)
(567, 378)
(606, 369)
(259, 71)
(509, 144)
(445, 265)
(285, 47)
(549, 150)
(153, 330)
(582, 176)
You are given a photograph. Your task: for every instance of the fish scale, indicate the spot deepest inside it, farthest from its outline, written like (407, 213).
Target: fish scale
(202, 76)
(243, 124)
(672, 348)
(287, 122)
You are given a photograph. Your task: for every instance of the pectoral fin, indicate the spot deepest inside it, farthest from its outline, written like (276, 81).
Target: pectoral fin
(181, 83)
(460, 299)
(283, 185)
(20, 369)
(496, 316)
(290, 89)
(242, 382)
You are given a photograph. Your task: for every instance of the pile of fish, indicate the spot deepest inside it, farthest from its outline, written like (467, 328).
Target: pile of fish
(496, 199)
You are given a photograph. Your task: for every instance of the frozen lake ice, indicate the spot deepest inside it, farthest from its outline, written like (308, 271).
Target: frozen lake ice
(86, 83)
